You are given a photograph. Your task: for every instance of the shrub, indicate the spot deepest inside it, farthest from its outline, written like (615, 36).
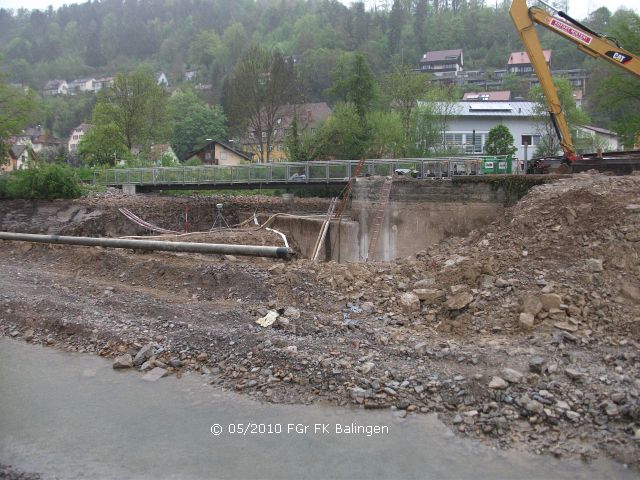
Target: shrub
(46, 182)
(193, 162)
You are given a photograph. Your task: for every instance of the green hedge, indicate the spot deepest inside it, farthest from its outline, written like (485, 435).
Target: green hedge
(46, 182)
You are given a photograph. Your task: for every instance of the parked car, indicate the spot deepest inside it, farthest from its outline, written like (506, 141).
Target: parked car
(407, 172)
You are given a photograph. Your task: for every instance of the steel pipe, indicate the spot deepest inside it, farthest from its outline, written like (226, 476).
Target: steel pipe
(210, 248)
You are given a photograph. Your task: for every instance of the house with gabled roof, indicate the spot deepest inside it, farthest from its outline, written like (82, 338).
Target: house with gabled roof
(81, 85)
(102, 83)
(56, 87)
(497, 96)
(441, 62)
(308, 115)
(520, 64)
(76, 136)
(219, 153)
(17, 157)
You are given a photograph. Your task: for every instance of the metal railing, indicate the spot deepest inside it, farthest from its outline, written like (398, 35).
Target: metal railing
(289, 173)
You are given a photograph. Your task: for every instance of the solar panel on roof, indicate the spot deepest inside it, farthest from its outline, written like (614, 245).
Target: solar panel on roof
(491, 107)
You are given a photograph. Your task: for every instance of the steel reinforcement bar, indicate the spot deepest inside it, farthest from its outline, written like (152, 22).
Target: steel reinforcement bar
(189, 247)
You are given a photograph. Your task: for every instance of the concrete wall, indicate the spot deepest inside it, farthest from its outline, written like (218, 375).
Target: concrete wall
(341, 242)
(419, 213)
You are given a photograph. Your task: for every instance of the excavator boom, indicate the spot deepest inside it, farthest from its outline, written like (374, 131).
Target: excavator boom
(587, 41)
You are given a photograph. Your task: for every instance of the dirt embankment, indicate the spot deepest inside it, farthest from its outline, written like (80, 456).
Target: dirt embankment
(523, 334)
(99, 216)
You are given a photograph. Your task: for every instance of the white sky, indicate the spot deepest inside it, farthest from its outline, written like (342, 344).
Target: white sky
(577, 8)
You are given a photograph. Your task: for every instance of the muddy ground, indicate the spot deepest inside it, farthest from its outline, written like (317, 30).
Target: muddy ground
(523, 335)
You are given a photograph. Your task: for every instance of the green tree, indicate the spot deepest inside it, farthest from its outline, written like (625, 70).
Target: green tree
(354, 83)
(136, 106)
(17, 109)
(426, 134)
(404, 88)
(264, 88)
(500, 141)
(193, 122)
(342, 135)
(387, 135)
(615, 102)
(550, 144)
(102, 145)
(298, 145)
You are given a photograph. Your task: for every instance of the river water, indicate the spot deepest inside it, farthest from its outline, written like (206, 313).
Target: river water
(71, 416)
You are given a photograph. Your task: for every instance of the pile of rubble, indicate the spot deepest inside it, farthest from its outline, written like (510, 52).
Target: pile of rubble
(522, 334)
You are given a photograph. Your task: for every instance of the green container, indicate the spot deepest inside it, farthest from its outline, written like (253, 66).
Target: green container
(504, 165)
(489, 165)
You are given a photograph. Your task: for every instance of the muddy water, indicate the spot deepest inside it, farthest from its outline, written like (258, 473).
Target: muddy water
(71, 416)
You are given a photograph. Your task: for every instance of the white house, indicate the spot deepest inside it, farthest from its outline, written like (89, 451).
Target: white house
(76, 136)
(442, 61)
(102, 83)
(162, 80)
(82, 85)
(601, 137)
(17, 157)
(470, 122)
(56, 87)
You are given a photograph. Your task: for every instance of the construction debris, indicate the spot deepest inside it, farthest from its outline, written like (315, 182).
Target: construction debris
(536, 351)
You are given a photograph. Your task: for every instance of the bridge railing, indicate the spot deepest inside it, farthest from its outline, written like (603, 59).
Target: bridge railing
(333, 171)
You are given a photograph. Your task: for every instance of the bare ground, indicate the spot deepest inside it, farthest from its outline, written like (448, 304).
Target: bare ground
(442, 331)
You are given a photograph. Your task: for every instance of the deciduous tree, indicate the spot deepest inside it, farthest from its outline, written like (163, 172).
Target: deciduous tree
(264, 89)
(17, 109)
(354, 83)
(500, 141)
(193, 122)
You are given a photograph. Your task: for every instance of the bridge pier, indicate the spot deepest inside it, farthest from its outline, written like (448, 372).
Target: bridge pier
(129, 189)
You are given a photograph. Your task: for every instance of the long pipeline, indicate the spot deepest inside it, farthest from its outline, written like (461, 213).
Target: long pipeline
(211, 248)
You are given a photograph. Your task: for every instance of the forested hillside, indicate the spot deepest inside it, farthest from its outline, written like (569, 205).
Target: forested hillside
(114, 35)
(208, 39)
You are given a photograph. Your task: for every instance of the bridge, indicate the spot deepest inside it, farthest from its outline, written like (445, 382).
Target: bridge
(282, 174)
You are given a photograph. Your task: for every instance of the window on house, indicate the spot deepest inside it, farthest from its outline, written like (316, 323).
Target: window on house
(466, 141)
(264, 135)
(531, 140)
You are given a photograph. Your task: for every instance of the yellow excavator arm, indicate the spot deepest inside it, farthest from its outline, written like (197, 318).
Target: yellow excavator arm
(588, 41)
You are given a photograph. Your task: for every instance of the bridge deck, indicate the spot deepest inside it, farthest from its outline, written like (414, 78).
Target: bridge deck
(335, 172)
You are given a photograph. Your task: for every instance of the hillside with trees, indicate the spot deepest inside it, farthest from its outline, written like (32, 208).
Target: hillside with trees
(328, 45)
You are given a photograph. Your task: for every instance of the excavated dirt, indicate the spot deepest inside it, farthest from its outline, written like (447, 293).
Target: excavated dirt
(524, 335)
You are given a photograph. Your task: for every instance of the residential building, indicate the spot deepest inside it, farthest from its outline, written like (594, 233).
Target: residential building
(81, 85)
(56, 87)
(76, 136)
(309, 117)
(160, 152)
(576, 77)
(102, 83)
(190, 75)
(578, 96)
(218, 153)
(520, 64)
(498, 96)
(469, 127)
(17, 157)
(35, 138)
(162, 79)
(597, 137)
(442, 62)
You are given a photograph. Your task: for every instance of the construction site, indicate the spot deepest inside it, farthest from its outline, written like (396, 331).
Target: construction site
(490, 318)
(515, 321)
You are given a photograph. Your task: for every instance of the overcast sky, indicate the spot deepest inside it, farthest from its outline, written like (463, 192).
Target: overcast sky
(577, 8)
